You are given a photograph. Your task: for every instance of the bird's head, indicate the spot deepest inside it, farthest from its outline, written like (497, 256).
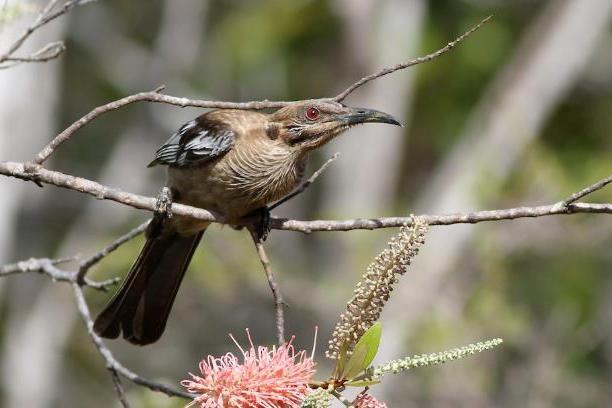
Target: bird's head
(307, 125)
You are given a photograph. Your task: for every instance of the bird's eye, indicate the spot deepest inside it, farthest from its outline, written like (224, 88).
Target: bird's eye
(312, 113)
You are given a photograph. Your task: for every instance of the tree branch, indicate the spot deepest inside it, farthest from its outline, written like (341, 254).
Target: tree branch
(37, 173)
(119, 388)
(442, 219)
(51, 50)
(46, 53)
(86, 264)
(586, 191)
(157, 96)
(28, 171)
(78, 280)
(48, 267)
(151, 96)
(111, 363)
(279, 303)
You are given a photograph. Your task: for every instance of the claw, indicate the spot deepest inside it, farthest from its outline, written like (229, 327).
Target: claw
(262, 224)
(163, 205)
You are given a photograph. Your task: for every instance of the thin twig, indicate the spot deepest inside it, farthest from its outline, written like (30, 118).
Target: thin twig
(48, 267)
(279, 303)
(86, 264)
(39, 22)
(152, 96)
(31, 265)
(37, 173)
(119, 388)
(587, 190)
(389, 70)
(70, 4)
(43, 18)
(111, 362)
(442, 219)
(307, 183)
(46, 53)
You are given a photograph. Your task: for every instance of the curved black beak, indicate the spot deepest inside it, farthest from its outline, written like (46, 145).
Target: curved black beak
(363, 115)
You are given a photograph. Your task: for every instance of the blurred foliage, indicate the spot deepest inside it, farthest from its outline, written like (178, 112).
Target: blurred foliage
(544, 286)
(14, 11)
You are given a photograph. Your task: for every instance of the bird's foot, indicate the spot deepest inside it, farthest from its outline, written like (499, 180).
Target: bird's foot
(261, 222)
(163, 205)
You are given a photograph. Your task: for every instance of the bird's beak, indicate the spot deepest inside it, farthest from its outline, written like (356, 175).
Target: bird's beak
(363, 115)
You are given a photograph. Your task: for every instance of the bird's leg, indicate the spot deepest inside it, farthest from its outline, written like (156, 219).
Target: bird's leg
(163, 205)
(260, 222)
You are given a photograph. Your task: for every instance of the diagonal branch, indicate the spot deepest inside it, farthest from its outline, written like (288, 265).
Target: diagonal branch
(111, 363)
(389, 70)
(86, 264)
(119, 388)
(279, 303)
(49, 268)
(151, 96)
(587, 190)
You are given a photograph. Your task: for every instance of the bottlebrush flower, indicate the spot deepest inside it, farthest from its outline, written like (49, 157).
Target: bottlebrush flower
(274, 377)
(368, 401)
(373, 291)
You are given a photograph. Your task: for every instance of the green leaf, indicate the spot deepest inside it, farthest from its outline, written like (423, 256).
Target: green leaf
(364, 352)
(363, 383)
(341, 363)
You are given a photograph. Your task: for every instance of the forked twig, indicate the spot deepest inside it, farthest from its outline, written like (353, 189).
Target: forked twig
(587, 190)
(49, 51)
(111, 363)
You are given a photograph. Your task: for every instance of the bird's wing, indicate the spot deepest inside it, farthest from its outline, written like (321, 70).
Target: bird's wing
(196, 142)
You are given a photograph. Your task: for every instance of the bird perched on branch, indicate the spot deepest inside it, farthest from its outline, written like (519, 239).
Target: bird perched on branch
(232, 163)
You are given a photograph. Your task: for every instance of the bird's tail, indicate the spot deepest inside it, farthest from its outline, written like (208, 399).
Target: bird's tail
(141, 306)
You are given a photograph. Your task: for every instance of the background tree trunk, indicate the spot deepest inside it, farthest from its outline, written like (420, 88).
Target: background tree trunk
(502, 126)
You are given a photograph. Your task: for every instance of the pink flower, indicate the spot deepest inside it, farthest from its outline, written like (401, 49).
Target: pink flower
(274, 377)
(368, 401)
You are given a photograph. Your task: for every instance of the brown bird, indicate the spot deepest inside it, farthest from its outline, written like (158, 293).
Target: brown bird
(233, 163)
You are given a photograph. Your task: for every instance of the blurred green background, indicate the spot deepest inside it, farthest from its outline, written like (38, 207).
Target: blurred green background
(520, 114)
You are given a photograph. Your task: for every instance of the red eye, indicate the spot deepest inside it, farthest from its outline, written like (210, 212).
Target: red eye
(312, 113)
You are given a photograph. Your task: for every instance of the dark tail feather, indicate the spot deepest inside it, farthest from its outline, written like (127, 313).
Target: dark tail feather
(140, 308)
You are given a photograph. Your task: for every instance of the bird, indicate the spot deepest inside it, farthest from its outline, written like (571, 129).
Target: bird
(233, 163)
